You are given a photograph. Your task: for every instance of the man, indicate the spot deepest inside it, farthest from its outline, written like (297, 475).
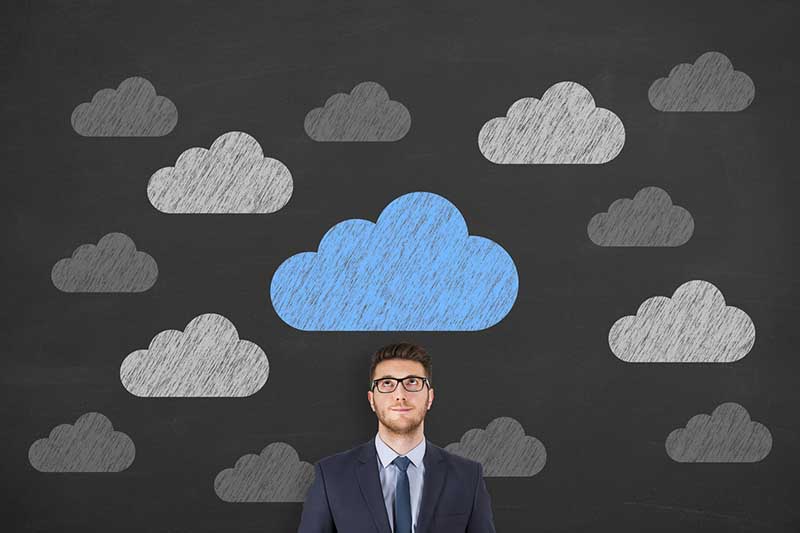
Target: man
(398, 482)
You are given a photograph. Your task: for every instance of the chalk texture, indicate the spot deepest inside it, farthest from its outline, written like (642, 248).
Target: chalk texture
(694, 326)
(416, 269)
(564, 127)
(649, 219)
(710, 84)
(502, 448)
(112, 265)
(275, 475)
(727, 436)
(131, 110)
(233, 176)
(207, 359)
(365, 115)
(90, 445)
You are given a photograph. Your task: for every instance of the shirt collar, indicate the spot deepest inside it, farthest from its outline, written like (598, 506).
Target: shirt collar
(387, 455)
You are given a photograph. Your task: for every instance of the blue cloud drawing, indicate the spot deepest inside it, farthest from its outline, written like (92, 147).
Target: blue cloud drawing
(415, 269)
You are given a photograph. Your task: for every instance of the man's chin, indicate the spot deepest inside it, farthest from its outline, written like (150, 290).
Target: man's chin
(402, 428)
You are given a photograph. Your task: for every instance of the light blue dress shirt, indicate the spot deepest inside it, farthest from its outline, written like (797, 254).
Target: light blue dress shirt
(388, 473)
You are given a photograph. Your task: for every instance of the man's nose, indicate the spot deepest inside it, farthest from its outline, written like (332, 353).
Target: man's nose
(400, 392)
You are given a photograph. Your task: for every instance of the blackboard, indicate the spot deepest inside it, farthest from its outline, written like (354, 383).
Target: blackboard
(259, 67)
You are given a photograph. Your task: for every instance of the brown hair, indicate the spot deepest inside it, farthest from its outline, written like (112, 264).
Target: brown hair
(402, 350)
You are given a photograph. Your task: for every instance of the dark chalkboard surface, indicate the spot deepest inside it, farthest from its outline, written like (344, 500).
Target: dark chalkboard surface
(259, 67)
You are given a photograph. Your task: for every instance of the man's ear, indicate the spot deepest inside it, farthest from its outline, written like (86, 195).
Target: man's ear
(430, 399)
(369, 399)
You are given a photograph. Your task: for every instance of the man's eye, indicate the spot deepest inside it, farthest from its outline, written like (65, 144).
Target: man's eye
(387, 382)
(412, 381)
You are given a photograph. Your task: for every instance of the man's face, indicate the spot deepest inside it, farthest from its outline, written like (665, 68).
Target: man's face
(400, 411)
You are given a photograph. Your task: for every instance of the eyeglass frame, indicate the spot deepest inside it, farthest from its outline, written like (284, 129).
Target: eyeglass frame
(425, 381)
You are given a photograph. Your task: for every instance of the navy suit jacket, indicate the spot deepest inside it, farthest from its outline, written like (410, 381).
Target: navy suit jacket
(346, 495)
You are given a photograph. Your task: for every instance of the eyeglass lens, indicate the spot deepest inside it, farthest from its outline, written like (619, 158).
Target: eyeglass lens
(411, 384)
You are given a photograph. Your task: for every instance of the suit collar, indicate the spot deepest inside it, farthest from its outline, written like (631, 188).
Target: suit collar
(370, 484)
(435, 475)
(387, 455)
(367, 453)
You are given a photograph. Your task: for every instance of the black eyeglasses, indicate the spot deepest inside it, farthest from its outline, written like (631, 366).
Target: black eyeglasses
(410, 383)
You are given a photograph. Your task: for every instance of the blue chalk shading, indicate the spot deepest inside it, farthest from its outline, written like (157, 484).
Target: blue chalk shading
(416, 269)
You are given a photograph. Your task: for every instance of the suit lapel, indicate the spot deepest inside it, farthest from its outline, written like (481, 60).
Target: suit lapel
(435, 473)
(370, 484)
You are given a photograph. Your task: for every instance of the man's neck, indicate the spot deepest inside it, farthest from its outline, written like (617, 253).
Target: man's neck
(402, 443)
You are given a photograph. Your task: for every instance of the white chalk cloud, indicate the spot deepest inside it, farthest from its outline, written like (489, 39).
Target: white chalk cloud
(563, 127)
(207, 359)
(694, 326)
(233, 176)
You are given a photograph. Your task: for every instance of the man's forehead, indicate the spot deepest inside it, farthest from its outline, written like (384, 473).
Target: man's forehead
(391, 367)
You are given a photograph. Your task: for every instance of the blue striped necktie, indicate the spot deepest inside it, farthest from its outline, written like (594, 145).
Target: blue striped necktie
(402, 497)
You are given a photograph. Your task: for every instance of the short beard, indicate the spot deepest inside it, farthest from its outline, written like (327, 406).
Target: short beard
(402, 430)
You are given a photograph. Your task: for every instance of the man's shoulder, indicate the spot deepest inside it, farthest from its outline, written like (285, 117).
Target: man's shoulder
(346, 457)
(457, 461)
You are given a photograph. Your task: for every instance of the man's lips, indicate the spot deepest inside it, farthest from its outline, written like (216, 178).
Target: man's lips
(401, 409)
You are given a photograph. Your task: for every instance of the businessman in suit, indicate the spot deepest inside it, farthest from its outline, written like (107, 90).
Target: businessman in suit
(398, 482)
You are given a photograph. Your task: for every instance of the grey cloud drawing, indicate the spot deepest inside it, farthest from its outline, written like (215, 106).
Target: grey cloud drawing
(131, 110)
(112, 265)
(564, 127)
(649, 219)
(90, 445)
(233, 176)
(207, 359)
(694, 326)
(726, 436)
(365, 115)
(503, 449)
(275, 475)
(710, 84)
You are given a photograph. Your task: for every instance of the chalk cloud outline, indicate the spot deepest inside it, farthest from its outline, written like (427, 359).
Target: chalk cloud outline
(133, 109)
(367, 276)
(112, 265)
(503, 449)
(365, 115)
(564, 127)
(231, 177)
(710, 84)
(649, 219)
(275, 475)
(207, 359)
(694, 326)
(728, 435)
(89, 445)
